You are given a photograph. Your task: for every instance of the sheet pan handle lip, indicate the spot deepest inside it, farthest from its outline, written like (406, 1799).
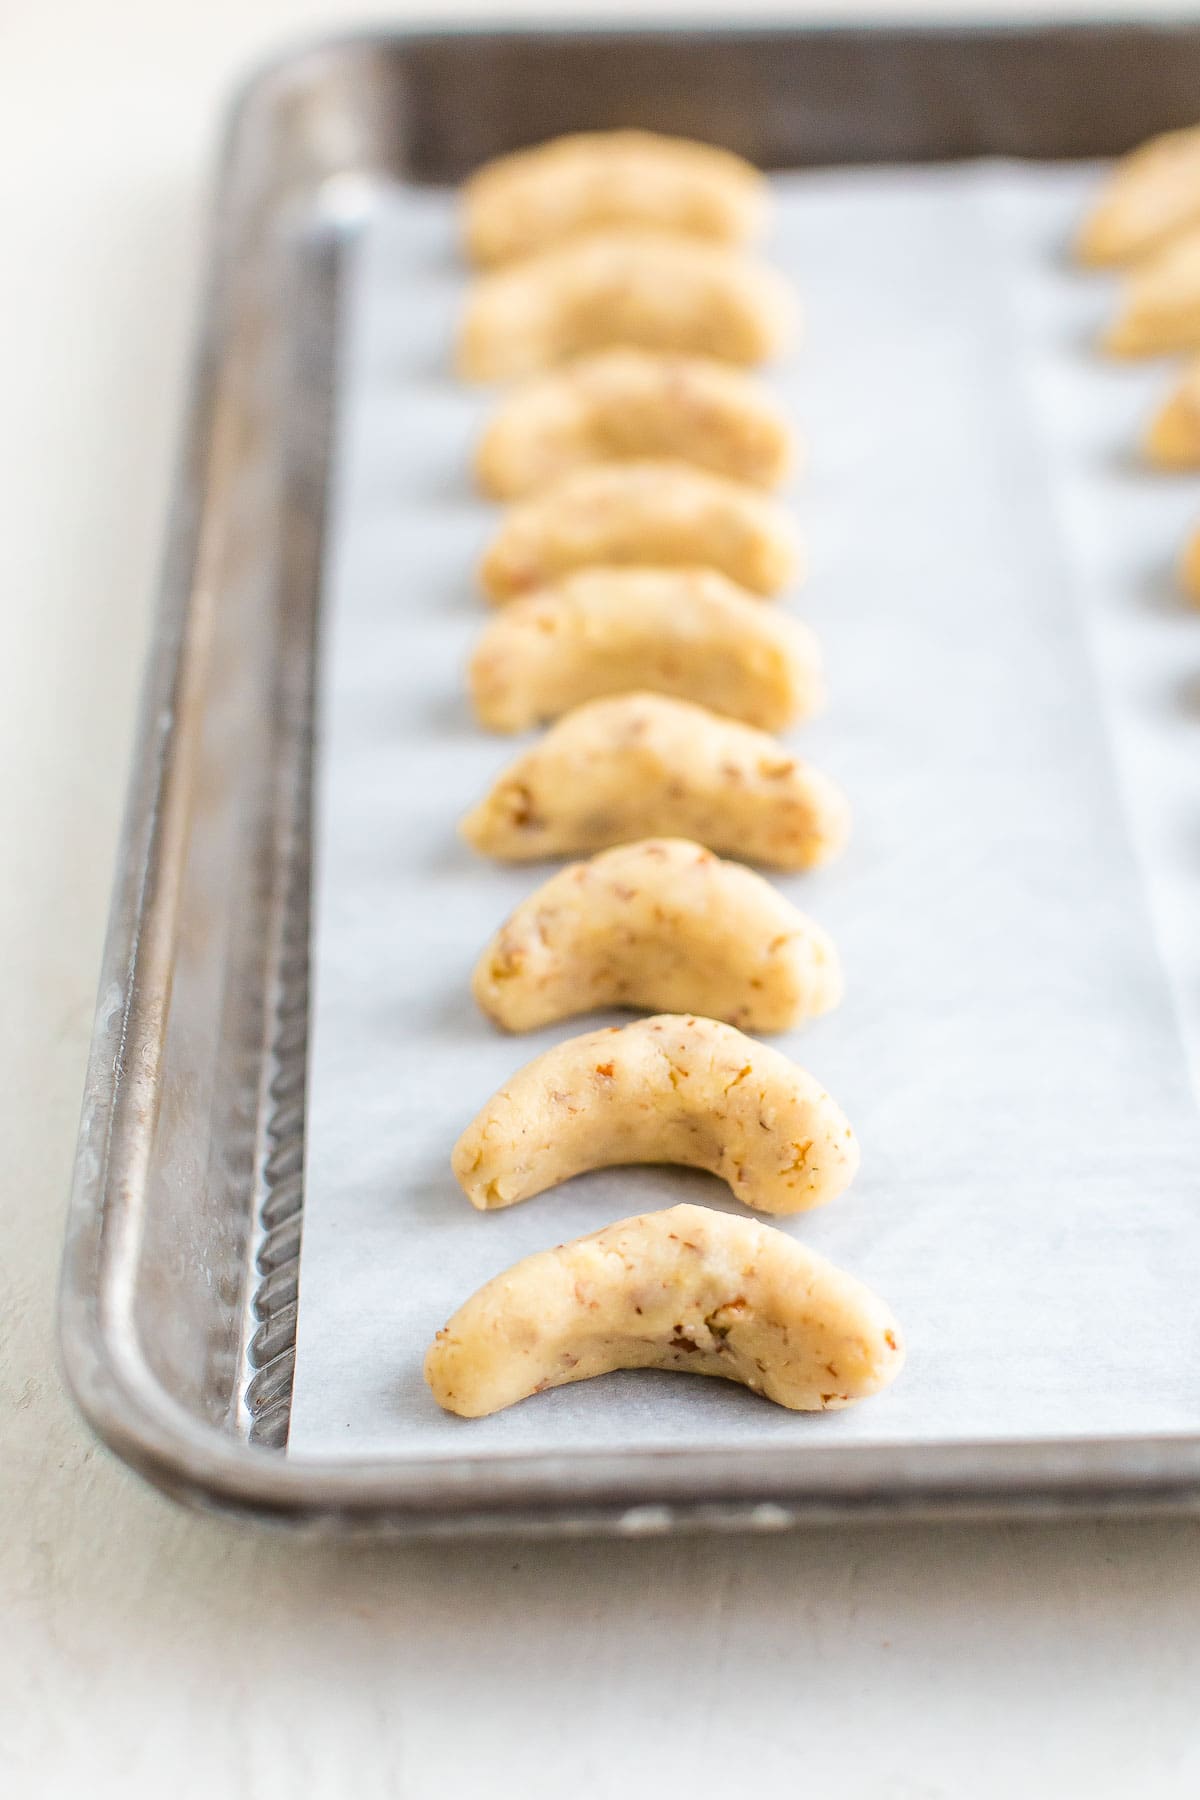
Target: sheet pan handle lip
(632, 1489)
(111, 1383)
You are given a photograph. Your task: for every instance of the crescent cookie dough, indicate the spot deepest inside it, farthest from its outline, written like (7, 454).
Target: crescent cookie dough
(661, 513)
(642, 765)
(632, 403)
(537, 197)
(1151, 194)
(684, 1289)
(1173, 437)
(669, 1089)
(1190, 568)
(643, 289)
(662, 925)
(1159, 311)
(601, 631)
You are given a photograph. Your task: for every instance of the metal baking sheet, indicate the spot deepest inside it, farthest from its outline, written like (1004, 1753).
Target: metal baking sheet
(191, 1203)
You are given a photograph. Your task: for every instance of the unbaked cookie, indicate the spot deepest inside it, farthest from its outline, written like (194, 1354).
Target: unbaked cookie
(665, 926)
(534, 198)
(643, 765)
(686, 1289)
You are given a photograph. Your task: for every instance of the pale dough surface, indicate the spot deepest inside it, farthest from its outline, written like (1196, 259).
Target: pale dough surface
(686, 1289)
(642, 512)
(522, 202)
(622, 404)
(673, 1088)
(1172, 438)
(662, 925)
(687, 632)
(644, 765)
(1158, 312)
(641, 288)
(1152, 194)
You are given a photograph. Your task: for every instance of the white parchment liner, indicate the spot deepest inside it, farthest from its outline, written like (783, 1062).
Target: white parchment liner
(1015, 710)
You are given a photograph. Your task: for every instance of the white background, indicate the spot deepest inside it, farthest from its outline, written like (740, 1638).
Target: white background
(142, 1649)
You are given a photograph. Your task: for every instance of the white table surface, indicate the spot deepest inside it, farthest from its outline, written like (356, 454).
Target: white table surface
(144, 1650)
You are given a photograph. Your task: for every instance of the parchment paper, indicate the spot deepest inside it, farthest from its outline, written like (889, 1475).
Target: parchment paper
(1015, 711)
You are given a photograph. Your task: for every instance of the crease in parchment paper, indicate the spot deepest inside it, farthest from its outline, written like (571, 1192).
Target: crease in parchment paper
(1015, 701)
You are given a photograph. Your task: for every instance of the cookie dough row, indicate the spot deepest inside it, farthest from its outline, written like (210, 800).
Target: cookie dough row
(630, 575)
(639, 471)
(1147, 222)
(617, 238)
